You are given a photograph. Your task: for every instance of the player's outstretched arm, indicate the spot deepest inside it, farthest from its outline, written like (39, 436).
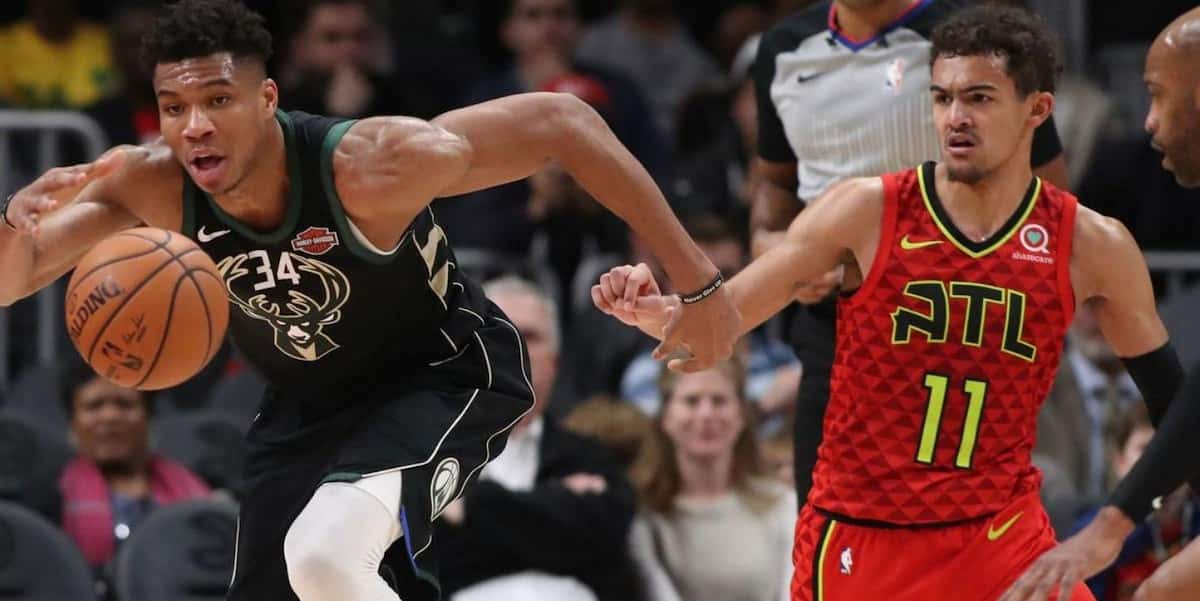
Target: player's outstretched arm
(1109, 273)
(52, 222)
(511, 138)
(840, 228)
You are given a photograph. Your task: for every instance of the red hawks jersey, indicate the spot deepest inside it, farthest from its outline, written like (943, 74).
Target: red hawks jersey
(944, 356)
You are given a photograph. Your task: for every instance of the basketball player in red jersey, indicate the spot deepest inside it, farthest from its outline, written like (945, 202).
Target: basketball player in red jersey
(1173, 79)
(972, 269)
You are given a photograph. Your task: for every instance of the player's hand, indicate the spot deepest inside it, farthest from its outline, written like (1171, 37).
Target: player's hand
(632, 295)
(1076, 559)
(707, 330)
(56, 188)
(811, 293)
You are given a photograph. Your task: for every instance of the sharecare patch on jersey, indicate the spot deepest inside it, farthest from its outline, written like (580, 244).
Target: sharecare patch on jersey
(315, 241)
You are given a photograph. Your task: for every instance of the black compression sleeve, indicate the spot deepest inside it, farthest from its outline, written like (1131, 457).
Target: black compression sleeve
(1158, 376)
(1172, 456)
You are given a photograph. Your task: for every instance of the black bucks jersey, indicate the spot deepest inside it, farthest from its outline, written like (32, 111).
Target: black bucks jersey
(315, 307)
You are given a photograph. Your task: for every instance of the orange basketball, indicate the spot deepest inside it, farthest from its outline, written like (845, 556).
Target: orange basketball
(146, 308)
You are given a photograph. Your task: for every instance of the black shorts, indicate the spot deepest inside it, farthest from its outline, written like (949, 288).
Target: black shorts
(455, 413)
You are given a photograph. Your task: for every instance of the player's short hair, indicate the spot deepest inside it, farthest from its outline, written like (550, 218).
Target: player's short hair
(197, 28)
(1021, 37)
(517, 286)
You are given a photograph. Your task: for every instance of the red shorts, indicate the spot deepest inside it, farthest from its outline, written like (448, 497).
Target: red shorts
(973, 561)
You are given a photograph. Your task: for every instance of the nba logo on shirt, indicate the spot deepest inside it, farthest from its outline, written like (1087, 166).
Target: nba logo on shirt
(895, 75)
(847, 561)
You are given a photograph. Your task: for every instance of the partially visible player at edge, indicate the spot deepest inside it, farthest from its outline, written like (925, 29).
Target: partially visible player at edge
(1173, 78)
(393, 380)
(972, 270)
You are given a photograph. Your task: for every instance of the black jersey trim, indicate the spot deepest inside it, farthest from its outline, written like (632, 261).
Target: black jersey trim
(975, 250)
(349, 238)
(295, 193)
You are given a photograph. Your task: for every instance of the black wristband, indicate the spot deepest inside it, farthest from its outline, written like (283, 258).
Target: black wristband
(1169, 458)
(1158, 376)
(4, 212)
(703, 293)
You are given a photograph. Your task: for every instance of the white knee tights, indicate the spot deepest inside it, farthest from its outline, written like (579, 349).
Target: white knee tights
(334, 548)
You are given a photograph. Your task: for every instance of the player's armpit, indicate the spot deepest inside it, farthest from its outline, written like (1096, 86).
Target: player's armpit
(842, 225)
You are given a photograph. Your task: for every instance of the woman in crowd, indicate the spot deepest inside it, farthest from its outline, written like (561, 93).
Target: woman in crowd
(115, 480)
(712, 526)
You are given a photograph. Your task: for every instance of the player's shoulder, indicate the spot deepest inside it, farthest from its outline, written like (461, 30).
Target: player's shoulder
(373, 143)
(854, 190)
(848, 204)
(1095, 233)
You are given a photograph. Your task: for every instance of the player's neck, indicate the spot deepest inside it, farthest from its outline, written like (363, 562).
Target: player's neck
(981, 208)
(704, 478)
(261, 199)
(866, 23)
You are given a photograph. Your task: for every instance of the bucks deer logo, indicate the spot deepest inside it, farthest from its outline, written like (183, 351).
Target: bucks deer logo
(300, 321)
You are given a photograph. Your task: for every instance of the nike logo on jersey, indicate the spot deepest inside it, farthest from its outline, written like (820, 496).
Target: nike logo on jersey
(811, 76)
(907, 244)
(994, 534)
(204, 236)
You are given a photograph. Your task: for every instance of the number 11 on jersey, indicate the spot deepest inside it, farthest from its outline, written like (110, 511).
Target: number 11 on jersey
(938, 385)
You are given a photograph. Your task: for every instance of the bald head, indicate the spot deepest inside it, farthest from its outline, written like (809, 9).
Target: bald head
(1183, 35)
(1173, 78)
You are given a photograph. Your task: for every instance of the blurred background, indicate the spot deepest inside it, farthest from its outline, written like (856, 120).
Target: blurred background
(86, 466)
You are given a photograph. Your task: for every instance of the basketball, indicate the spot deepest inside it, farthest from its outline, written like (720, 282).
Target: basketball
(146, 308)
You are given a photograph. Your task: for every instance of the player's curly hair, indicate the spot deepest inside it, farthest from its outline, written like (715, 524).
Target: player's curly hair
(196, 28)
(1018, 35)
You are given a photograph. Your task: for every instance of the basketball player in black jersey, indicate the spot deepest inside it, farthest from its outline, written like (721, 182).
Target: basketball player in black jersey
(1172, 76)
(393, 379)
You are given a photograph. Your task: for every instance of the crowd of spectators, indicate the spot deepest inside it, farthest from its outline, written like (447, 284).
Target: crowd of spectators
(627, 482)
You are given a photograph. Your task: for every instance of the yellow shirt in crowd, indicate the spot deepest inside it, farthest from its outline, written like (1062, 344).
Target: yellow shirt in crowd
(37, 74)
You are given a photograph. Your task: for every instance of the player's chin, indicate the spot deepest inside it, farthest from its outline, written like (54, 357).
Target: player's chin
(963, 171)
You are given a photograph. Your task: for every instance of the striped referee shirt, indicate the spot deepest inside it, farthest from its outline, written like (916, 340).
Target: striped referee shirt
(844, 108)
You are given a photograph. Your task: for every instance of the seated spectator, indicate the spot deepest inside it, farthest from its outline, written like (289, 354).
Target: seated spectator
(617, 424)
(54, 59)
(1157, 539)
(646, 41)
(1090, 390)
(542, 35)
(129, 116)
(550, 515)
(718, 134)
(331, 70)
(115, 480)
(704, 495)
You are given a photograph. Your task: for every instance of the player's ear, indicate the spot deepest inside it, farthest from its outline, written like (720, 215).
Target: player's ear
(270, 96)
(1041, 106)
